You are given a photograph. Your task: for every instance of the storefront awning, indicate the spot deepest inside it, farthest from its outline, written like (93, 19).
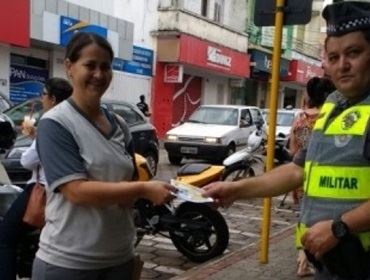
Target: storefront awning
(190, 50)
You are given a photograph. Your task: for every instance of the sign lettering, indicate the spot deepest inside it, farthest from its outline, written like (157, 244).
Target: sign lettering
(338, 182)
(214, 55)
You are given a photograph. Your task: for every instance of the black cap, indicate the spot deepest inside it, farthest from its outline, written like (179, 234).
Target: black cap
(345, 17)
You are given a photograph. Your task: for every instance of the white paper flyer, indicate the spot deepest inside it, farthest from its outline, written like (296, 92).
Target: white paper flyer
(189, 193)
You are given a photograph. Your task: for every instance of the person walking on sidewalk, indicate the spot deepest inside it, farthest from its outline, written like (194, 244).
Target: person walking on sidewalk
(143, 106)
(334, 222)
(86, 152)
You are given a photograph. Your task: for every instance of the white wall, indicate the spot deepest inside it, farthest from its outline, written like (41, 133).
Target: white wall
(4, 68)
(57, 64)
(143, 13)
(210, 90)
(128, 87)
(194, 6)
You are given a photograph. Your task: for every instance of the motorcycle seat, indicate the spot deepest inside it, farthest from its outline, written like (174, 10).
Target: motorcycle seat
(192, 169)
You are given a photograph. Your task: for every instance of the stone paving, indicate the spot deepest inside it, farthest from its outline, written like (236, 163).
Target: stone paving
(163, 261)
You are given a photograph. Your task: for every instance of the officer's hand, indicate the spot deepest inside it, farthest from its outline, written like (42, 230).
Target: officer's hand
(158, 192)
(319, 239)
(223, 193)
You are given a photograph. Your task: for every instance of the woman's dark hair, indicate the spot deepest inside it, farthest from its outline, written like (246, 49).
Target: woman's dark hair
(318, 90)
(83, 39)
(60, 88)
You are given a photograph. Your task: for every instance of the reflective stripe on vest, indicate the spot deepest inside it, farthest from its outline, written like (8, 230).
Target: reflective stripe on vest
(337, 182)
(325, 111)
(301, 230)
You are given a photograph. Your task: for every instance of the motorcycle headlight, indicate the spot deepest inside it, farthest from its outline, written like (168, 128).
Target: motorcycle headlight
(212, 140)
(16, 152)
(172, 137)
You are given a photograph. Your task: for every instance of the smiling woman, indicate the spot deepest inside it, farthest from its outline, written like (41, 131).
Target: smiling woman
(87, 153)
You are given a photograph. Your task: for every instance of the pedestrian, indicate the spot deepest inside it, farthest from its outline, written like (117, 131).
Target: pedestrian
(143, 106)
(12, 228)
(86, 152)
(317, 90)
(334, 221)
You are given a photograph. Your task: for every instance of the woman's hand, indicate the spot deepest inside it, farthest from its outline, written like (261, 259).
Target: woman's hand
(158, 192)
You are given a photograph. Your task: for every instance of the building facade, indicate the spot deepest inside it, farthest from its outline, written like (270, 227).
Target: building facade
(47, 26)
(202, 54)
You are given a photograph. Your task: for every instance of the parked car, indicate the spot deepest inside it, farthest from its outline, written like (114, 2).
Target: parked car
(144, 135)
(284, 121)
(212, 132)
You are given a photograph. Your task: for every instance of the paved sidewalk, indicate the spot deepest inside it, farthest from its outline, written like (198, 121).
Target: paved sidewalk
(244, 263)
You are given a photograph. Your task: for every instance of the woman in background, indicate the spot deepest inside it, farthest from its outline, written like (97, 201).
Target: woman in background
(12, 228)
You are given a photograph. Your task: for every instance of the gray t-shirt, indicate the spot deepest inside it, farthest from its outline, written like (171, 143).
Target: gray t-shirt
(70, 148)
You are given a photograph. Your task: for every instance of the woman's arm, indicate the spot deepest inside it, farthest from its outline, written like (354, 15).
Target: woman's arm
(30, 158)
(100, 194)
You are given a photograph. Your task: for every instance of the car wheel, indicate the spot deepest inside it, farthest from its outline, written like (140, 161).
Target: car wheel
(152, 162)
(175, 160)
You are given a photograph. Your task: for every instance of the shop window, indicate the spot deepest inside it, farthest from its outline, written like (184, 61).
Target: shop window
(218, 11)
(28, 60)
(204, 8)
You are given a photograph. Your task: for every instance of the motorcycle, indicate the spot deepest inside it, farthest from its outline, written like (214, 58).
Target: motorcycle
(246, 162)
(197, 230)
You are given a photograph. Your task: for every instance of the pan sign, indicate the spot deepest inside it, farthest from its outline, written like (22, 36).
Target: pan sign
(69, 26)
(26, 82)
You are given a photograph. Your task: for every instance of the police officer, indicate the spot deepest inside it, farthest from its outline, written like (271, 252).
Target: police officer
(334, 226)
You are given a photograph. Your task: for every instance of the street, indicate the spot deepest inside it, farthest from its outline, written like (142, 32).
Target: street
(163, 261)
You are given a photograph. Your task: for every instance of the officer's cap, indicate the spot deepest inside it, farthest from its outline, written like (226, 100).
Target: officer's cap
(345, 17)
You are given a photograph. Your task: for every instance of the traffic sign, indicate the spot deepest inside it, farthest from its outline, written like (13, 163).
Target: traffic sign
(295, 12)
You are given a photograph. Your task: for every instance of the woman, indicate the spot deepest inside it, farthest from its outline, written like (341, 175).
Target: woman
(12, 229)
(317, 90)
(89, 230)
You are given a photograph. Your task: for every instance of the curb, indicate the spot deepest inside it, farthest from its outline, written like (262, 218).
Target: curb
(206, 270)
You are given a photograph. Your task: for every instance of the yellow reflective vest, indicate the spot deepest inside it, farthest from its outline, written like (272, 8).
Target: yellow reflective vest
(337, 175)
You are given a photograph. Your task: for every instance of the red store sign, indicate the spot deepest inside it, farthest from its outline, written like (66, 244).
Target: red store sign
(200, 53)
(301, 72)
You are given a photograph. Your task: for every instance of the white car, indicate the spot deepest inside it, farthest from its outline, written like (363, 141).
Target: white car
(284, 121)
(212, 132)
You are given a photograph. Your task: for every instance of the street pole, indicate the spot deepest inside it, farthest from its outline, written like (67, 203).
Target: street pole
(275, 77)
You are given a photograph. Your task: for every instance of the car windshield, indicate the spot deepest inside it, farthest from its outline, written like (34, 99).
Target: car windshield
(213, 115)
(282, 118)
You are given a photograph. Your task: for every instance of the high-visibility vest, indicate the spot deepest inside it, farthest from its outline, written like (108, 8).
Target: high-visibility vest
(337, 176)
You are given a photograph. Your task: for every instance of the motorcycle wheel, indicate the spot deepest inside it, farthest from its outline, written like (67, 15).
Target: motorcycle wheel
(202, 234)
(237, 172)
